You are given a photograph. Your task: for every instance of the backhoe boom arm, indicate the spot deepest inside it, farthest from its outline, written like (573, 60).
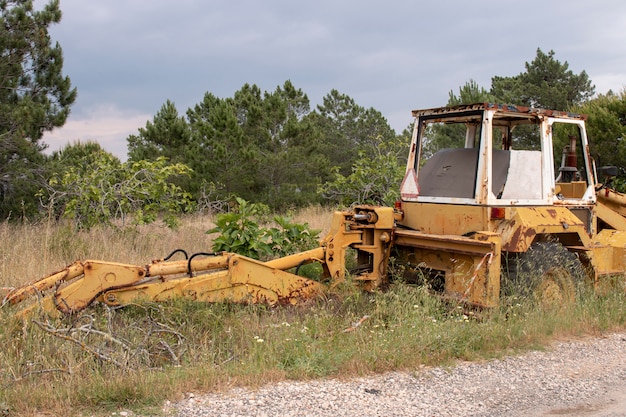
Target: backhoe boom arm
(223, 276)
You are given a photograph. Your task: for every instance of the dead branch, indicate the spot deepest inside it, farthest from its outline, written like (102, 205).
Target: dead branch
(28, 374)
(169, 349)
(65, 336)
(40, 372)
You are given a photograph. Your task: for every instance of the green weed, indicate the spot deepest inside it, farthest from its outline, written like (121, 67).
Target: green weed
(244, 231)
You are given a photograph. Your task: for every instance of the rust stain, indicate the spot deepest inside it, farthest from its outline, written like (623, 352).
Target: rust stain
(522, 237)
(512, 243)
(502, 107)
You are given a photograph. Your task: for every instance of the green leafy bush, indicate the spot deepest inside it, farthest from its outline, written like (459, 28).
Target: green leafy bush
(291, 237)
(375, 178)
(101, 190)
(241, 231)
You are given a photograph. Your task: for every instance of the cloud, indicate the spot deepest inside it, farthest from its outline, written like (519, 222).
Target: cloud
(609, 81)
(394, 57)
(106, 124)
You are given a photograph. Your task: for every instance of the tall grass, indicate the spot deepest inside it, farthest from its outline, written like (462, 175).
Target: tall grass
(137, 357)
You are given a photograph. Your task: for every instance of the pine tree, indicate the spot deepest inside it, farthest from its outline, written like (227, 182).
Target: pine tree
(35, 97)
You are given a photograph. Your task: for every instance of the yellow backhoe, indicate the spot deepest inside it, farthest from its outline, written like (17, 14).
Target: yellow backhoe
(495, 198)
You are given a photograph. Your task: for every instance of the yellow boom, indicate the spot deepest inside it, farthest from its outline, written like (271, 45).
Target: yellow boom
(212, 277)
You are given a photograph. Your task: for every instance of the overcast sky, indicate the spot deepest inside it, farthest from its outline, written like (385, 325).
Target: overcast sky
(127, 57)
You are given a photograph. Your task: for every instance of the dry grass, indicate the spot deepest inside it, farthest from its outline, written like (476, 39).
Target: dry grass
(29, 252)
(318, 218)
(137, 357)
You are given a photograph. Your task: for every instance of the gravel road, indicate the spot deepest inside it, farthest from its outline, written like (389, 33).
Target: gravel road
(574, 378)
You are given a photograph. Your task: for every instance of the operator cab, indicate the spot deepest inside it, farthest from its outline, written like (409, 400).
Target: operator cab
(490, 154)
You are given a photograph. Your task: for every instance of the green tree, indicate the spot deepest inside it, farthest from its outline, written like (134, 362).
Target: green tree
(35, 97)
(96, 188)
(374, 179)
(606, 128)
(76, 154)
(167, 135)
(256, 145)
(265, 147)
(470, 93)
(81, 156)
(243, 230)
(347, 129)
(220, 152)
(546, 83)
(291, 160)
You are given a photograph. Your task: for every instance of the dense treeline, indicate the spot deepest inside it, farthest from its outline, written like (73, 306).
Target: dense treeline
(271, 147)
(267, 147)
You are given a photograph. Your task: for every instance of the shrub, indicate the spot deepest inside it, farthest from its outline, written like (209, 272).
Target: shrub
(241, 231)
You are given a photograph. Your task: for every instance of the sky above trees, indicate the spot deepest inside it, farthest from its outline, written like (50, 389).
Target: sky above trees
(127, 58)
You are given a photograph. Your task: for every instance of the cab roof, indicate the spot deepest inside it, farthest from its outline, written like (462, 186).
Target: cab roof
(502, 111)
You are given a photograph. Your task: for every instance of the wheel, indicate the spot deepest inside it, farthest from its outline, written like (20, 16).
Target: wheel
(547, 273)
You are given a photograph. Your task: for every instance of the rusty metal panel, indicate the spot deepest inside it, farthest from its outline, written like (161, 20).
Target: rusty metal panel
(471, 266)
(444, 219)
(525, 223)
(447, 243)
(99, 276)
(610, 217)
(505, 109)
(613, 200)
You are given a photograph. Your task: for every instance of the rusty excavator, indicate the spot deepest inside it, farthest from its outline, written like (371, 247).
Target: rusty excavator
(515, 193)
